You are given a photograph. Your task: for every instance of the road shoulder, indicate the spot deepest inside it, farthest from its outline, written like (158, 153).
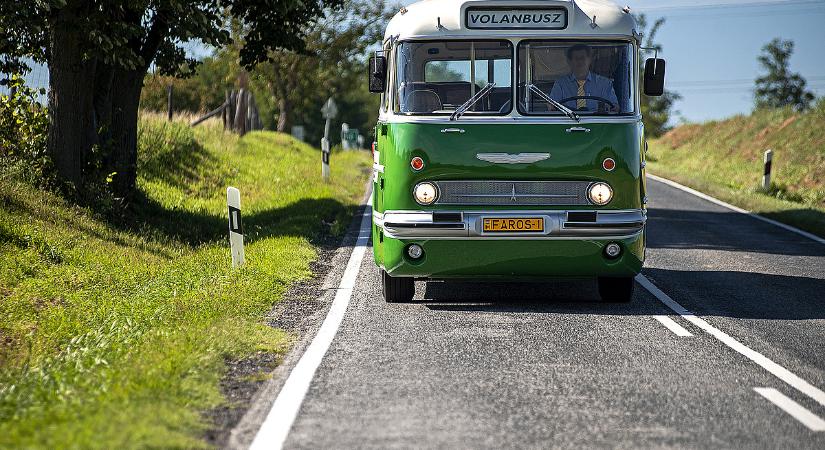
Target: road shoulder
(301, 313)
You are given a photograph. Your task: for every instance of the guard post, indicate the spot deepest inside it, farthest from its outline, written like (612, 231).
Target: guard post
(345, 135)
(766, 174)
(233, 202)
(325, 158)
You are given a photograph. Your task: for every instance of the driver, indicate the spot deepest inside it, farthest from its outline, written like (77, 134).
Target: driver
(582, 82)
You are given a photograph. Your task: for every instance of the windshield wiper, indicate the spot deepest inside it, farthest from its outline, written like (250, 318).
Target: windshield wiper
(471, 101)
(567, 111)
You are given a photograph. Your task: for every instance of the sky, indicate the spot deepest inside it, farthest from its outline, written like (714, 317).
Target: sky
(711, 48)
(711, 51)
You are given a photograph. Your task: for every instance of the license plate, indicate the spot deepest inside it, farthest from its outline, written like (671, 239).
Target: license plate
(511, 224)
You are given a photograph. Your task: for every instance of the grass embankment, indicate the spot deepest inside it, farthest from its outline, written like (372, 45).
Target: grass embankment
(725, 159)
(116, 335)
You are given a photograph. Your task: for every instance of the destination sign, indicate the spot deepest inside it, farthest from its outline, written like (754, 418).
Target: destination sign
(511, 18)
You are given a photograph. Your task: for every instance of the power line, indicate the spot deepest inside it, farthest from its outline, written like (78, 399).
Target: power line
(748, 86)
(739, 10)
(761, 4)
(731, 89)
(744, 15)
(690, 83)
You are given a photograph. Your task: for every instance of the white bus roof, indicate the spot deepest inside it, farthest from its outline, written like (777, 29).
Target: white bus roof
(437, 19)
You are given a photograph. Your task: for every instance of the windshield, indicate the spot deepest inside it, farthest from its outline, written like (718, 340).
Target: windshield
(588, 78)
(437, 78)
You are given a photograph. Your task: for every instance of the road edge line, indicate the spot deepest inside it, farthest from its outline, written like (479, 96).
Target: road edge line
(800, 413)
(761, 360)
(715, 200)
(278, 422)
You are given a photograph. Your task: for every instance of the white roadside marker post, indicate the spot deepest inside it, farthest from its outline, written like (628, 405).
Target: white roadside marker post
(328, 112)
(325, 158)
(766, 175)
(233, 202)
(344, 141)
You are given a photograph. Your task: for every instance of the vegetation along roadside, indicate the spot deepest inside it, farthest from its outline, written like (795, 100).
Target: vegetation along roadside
(725, 159)
(114, 333)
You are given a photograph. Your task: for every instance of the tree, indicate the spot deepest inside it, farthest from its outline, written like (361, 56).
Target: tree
(23, 124)
(201, 92)
(441, 71)
(18, 42)
(779, 87)
(98, 52)
(656, 111)
(333, 63)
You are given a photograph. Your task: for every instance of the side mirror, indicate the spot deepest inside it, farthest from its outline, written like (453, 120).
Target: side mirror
(377, 73)
(654, 81)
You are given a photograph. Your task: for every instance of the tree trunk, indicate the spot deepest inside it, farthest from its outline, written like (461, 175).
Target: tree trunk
(71, 95)
(126, 88)
(284, 110)
(104, 75)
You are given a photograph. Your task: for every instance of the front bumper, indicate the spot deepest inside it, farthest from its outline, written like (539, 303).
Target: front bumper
(558, 224)
(510, 259)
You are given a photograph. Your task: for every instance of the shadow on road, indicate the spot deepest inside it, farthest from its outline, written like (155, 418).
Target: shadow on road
(710, 293)
(725, 231)
(745, 295)
(561, 297)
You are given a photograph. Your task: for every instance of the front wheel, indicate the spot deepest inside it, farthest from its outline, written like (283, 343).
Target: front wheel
(397, 289)
(619, 290)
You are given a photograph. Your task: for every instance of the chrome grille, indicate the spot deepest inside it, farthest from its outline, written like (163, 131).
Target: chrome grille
(553, 193)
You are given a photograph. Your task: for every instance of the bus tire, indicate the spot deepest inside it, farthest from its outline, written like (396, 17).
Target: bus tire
(397, 289)
(616, 289)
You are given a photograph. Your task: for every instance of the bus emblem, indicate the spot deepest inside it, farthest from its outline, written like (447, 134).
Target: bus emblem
(509, 158)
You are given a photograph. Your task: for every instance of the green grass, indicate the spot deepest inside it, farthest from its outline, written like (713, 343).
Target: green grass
(115, 333)
(725, 159)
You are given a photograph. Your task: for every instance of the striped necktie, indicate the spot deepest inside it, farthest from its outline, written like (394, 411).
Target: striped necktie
(581, 103)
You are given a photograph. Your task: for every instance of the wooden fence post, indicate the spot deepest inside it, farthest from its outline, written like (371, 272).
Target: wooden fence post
(240, 113)
(169, 102)
(254, 115)
(224, 113)
(233, 97)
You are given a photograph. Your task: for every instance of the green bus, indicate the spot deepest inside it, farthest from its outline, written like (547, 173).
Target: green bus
(510, 144)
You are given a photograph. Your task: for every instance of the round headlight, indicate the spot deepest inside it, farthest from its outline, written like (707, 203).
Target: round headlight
(612, 250)
(415, 251)
(600, 193)
(425, 193)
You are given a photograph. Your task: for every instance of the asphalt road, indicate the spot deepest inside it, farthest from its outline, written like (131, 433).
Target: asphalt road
(485, 365)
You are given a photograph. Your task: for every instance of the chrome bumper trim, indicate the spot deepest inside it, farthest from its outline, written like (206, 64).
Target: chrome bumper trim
(603, 224)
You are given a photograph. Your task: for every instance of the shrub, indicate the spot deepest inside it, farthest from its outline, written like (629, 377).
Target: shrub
(23, 129)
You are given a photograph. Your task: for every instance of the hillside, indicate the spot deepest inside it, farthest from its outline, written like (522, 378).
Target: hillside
(114, 333)
(724, 159)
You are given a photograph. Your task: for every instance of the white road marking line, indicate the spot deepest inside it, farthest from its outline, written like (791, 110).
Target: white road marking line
(778, 371)
(278, 422)
(797, 411)
(735, 208)
(671, 325)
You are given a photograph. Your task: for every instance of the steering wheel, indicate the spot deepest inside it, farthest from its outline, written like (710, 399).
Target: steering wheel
(601, 100)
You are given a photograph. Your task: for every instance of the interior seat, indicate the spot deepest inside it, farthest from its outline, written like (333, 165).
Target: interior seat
(422, 101)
